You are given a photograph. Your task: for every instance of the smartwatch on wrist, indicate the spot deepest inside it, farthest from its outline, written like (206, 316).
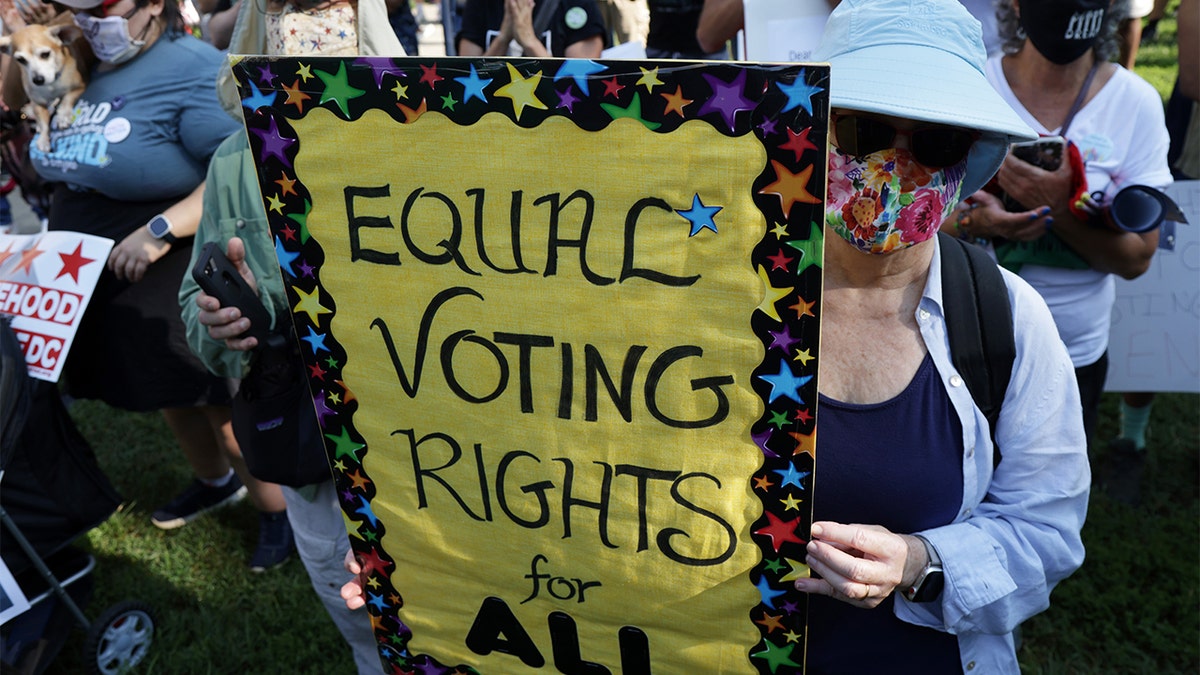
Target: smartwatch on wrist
(160, 228)
(928, 585)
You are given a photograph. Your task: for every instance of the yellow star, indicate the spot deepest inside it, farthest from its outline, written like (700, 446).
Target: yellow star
(771, 296)
(373, 582)
(780, 231)
(276, 204)
(799, 571)
(401, 91)
(803, 356)
(340, 466)
(521, 91)
(310, 304)
(792, 637)
(334, 398)
(649, 79)
(790, 503)
(791, 187)
(676, 102)
(806, 444)
(305, 72)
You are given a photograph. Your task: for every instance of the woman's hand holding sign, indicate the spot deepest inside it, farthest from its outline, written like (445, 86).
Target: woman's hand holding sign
(861, 564)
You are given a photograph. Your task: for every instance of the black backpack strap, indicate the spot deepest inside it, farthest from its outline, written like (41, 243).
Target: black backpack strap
(545, 13)
(979, 325)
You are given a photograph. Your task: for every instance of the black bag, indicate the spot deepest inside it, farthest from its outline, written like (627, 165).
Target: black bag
(275, 422)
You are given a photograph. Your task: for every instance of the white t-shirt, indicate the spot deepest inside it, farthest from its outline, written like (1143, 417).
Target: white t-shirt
(1122, 136)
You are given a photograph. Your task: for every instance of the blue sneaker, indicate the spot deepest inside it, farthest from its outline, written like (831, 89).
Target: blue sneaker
(275, 542)
(196, 500)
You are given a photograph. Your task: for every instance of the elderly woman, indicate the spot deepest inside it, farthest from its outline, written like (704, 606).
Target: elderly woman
(1060, 82)
(926, 553)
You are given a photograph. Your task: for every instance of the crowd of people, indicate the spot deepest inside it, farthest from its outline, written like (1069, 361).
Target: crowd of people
(942, 105)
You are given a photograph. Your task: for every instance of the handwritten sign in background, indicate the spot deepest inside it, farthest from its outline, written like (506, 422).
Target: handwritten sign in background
(1154, 344)
(560, 322)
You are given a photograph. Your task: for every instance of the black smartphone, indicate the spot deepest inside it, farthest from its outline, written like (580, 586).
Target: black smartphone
(220, 279)
(1045, 153)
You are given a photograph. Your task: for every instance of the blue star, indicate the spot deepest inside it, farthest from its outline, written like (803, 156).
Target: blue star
(768, 594)
(799, 93)
(791, 476)
(579, 70)
(285, 257)
(376, 600)
(473, 86)
(257, 99)
(365, 509)
(785, 383)
(701, 216)
(317, 340)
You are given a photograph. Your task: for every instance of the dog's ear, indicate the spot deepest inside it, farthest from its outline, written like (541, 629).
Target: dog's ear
(65, 33)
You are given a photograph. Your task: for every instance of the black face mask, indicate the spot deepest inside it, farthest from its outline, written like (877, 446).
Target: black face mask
(1063, 30)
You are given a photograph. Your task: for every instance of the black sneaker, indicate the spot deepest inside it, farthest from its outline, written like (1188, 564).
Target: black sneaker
(1123, 472)
(197, 499)
(275, 543)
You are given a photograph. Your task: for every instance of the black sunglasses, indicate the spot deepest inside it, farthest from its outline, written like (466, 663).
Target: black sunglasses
(935, 146)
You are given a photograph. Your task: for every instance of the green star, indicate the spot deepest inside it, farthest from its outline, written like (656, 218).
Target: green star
(370, 536)
(346, 446)
(448, 102)
(302, 220)
(338, 89)
(776, 656)
(779, 419)
(331, 362)
(812, 249)
(633, 112)
(776, 565)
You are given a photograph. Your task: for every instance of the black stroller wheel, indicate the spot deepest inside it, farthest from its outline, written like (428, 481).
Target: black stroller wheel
(120, 638)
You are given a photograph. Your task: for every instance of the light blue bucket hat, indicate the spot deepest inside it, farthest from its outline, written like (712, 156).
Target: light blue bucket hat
(921, 60)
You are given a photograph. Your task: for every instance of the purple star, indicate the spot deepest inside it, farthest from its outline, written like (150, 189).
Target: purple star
(323, 409)
(306, 270)
(266, 76)
(567, 98)
(767, 127)
(430, 667)
(274, 144)
(347, 495)
(790, 607)
(380, 67)
(727, 97)
(783, 339)
(761, 439)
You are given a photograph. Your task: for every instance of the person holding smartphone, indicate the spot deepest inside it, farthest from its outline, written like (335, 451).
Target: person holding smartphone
(1055, 73)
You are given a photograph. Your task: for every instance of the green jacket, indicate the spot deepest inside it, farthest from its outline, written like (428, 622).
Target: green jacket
(233, 207)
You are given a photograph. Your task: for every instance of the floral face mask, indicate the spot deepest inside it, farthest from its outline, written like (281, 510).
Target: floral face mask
(886, 201)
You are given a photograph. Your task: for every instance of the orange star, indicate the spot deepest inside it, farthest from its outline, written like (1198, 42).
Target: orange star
(27, 257)
(7, 253)
(349, 394)
(676, 101)
(287, 185)
(803, 308)
(770, 622)
(295, 96)
(762, 483)
(806, 444)
(411, 115)
(791, 187)
(360, 481)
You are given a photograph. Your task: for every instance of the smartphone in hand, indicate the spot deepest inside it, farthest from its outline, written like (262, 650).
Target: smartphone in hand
(219, 278)
(1044, 153)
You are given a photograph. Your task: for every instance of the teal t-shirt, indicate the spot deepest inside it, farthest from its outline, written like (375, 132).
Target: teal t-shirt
(145, 130)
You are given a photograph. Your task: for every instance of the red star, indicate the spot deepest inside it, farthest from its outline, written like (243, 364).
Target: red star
(803, 415)
(611, 88)
(27, 257)
(779, 261)
(372, 563)
(317, 371)
(429, 76)
(780, 531)
(289, 233)
(72, 262)
(798, 142)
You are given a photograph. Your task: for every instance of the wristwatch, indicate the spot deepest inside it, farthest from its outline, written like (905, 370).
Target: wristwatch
(928, 585)
(160, 228)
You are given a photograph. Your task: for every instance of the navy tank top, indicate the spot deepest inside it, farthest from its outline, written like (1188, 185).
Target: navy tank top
(897, 464)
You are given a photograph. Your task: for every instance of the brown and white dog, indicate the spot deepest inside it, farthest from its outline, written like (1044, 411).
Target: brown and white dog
(54, 76)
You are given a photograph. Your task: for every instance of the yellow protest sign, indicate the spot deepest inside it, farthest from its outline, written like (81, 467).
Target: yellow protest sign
(560, 320)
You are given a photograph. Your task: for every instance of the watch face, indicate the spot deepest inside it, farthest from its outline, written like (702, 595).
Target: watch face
(159, 227)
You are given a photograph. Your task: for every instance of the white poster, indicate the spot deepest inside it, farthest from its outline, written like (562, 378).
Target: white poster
(1154, 344)
(784, 30)
(46, 281)
(12, 600)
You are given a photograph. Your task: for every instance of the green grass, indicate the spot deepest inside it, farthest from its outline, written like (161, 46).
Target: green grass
(1131, 608)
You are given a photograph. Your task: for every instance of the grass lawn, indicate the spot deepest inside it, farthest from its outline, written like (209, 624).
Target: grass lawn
(1132, 608)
